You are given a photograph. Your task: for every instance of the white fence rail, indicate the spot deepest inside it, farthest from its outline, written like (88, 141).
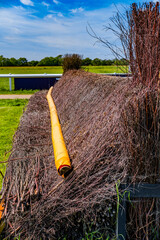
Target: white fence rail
(46, 75)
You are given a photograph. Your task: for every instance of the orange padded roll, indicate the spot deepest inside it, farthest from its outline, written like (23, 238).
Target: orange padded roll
(2, 223)
(61, 156)
(1, 208)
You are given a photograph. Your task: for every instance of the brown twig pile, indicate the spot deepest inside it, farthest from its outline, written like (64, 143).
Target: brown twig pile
(107, 130)
(143, 42)
(141, 127)
(143, 47)
(139, 32)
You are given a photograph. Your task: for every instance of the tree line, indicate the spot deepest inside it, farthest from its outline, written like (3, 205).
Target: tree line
(57, 61)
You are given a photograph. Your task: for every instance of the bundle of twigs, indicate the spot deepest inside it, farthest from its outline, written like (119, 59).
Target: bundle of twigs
(144, 53)
(143, 43)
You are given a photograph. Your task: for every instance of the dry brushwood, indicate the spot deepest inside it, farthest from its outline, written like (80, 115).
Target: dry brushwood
(105, 145)
(138, 30)
(144, 44)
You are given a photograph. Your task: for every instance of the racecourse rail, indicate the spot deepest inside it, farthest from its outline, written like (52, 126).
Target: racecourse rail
(45, 75)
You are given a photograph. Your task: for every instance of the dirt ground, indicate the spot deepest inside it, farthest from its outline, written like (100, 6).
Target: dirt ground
(15, 96)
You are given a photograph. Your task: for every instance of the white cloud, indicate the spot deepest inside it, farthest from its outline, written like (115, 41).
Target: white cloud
(35, 38)
(60, 14)
(53, 14)
(27, 2)
(77, 10)
(56, 2)
(45, 4)
(49, 16)
(19, 8)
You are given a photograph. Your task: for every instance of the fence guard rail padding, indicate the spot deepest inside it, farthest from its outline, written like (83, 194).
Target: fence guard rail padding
(2, 223)
(61, 156)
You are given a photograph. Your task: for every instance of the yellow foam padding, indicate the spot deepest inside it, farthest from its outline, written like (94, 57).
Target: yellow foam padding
(60, 151)
(2, 223)
(1, 208)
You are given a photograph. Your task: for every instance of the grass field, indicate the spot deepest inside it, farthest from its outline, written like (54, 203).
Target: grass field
(10, 112)
(106, 69)
(4, 82)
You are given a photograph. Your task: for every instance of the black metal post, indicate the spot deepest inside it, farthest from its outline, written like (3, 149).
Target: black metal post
(142, 190)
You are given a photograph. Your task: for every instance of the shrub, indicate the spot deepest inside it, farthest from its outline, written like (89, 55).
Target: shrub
(71, 61)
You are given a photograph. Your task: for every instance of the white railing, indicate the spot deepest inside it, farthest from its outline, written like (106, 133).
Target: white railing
(44, 75)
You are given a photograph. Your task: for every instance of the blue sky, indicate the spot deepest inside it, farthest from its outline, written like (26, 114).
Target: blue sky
(35, 29)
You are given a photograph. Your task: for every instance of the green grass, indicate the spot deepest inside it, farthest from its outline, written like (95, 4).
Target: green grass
(28, 70)
(3, 92)
(106, 69)
(10, 112)
(58, 69)
(4, 82)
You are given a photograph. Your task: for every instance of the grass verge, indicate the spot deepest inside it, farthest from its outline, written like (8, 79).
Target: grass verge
(106, 69)
(10, 113)
(19, 92)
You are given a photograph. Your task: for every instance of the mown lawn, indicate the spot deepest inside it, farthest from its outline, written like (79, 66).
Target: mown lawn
(106, 69)
(10, 113)
(4, 82)
(58, 69)
(28, 70)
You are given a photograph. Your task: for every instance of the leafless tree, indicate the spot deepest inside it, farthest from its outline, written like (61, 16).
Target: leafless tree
(138, 30)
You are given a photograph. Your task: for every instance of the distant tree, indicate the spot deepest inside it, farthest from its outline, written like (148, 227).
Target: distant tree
(124, 61)
(43, 61)
(116, 61)
(96, 62)
(86, 62)
(33, 63)
(2, 60)
(120, 62)
(14, 62)
(7, 62)
(58, 60)
(50, 61)
(22, 62)
(106, 62)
